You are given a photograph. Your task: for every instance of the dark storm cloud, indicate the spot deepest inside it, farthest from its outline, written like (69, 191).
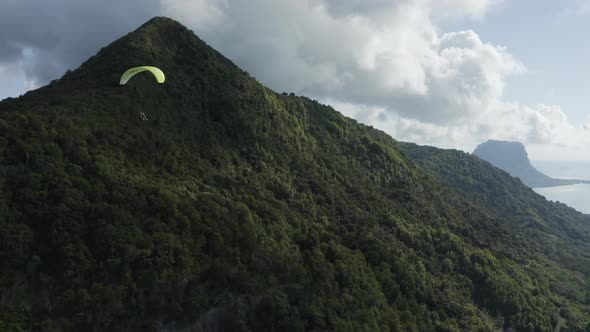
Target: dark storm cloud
(48, 37)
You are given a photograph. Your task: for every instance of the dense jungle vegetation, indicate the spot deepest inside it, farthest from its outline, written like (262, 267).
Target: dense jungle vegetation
(235, 208)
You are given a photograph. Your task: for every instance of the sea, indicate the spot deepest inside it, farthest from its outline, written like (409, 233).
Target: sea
(577, 195)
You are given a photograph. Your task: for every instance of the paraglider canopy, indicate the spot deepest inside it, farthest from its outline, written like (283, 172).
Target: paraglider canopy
(129, 73)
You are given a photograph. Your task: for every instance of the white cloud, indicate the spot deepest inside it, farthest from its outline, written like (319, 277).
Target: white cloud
(387, 64)
(380, 53)
(580, 8)
(14, 78)
(545, 128)
(10, 85)
(201, 13)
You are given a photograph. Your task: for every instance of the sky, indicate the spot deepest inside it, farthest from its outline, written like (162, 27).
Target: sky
(448, 73)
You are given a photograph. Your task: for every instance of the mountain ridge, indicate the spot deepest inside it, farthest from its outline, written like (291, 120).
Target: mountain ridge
(237, 208)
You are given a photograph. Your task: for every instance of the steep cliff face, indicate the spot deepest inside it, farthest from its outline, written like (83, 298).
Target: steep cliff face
(513, 158)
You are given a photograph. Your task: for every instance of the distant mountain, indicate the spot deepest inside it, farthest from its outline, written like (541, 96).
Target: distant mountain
(513, 158)
(236, 208)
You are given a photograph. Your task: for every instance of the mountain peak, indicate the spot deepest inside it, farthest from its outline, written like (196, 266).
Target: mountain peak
(513, 158)
(186, 60)
(502, 152)
(200, 84)
(160, 32)
(161, 21)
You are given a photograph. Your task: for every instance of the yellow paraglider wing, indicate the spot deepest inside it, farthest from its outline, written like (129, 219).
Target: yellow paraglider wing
(127, 75)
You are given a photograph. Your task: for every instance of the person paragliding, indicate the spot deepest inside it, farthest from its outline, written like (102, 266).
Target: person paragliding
(129, 73)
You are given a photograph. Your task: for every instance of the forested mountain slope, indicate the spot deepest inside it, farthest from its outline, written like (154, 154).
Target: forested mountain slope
(239, 209)
(561, 233)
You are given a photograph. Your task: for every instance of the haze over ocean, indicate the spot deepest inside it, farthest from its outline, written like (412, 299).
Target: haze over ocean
(576, 196)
